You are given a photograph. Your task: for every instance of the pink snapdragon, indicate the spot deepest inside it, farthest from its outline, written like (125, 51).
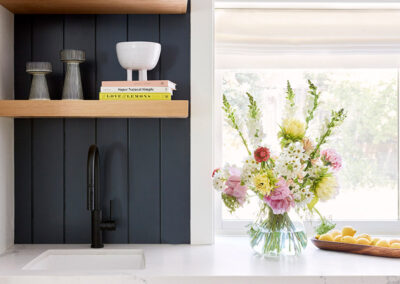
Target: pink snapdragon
(281, 198)
(331, 158)
(234, 187)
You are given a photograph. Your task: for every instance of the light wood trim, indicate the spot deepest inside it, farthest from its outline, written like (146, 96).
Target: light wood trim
(93, 108)
(96, 6)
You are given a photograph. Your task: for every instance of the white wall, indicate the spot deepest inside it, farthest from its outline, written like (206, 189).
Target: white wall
(6, 131)
(202, 77)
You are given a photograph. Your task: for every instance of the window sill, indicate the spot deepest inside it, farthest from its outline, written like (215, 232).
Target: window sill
(376, 227)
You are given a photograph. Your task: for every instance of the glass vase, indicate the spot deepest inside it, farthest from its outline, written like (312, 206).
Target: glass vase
(278, 235)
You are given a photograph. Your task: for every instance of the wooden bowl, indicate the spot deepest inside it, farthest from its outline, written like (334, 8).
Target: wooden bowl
(359, 249)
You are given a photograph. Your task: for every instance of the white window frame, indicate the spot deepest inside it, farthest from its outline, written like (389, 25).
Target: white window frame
(238, 227)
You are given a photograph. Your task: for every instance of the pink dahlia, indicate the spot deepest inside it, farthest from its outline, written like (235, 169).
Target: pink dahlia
(281, 198)
(234, 188)
(262, 154)
(331, 158)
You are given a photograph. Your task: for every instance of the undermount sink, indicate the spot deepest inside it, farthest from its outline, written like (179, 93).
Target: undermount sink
(88, 260)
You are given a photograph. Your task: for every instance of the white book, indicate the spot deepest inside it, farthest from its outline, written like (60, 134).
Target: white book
(136, 90)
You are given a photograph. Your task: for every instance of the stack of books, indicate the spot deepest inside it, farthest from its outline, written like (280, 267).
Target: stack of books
(137, 90)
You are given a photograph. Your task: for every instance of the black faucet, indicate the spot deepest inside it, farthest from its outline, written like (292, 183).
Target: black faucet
(93, 199)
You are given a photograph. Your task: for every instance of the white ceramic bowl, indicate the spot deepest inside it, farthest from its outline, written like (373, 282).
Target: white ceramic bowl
(138, 55)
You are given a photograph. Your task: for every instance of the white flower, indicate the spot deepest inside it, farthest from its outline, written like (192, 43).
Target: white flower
(315, 170)
(301, 196)
(290, 161)
(255, 131)
(289, 111)
(219, 181)
(249, 168)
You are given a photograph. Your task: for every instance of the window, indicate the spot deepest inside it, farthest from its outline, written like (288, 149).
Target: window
(354, 70)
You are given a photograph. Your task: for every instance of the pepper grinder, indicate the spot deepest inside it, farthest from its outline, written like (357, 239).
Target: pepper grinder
(72, 83)
(39, 89)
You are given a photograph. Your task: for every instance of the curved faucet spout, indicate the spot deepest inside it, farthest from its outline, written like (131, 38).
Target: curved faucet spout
(93, 199)
(93, 190)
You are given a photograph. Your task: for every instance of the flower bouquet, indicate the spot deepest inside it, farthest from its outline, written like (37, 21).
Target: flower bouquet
(298, 177)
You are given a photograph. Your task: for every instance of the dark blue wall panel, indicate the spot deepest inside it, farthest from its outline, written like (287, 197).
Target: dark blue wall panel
(48, 138)
(22, 134)
(145, 163)
(144, 151)
(112, 136)
(79, 33)
(175, 133)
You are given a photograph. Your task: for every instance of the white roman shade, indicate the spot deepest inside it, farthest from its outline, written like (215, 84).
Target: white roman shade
(276, 38)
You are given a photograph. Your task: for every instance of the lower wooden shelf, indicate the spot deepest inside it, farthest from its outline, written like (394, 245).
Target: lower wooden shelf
(94, 108)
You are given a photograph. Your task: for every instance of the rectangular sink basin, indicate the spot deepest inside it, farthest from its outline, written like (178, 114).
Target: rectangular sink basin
(88, 260)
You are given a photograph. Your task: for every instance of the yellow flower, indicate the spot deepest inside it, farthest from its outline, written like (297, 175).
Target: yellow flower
(294, 128)
(327, 188)
(263, 183)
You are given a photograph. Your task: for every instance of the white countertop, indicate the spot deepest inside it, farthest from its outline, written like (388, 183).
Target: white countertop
(230, 259)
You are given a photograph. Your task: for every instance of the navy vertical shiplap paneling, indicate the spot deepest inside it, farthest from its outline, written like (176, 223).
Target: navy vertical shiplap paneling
(175, 133)
(145, 163)
(22, 134)
(48, 138)
(79, 33)
(112, 136)
(144, 151)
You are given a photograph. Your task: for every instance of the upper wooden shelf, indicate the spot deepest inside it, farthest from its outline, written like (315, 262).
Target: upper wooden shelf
(92, 108)
(95, 6)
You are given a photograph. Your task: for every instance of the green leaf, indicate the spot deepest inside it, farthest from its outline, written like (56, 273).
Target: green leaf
(290, 94)
(313, 202)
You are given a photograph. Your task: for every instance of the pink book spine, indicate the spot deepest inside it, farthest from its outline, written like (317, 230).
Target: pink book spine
(153, 83)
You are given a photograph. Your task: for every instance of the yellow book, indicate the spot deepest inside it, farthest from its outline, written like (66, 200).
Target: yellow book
(135, 96)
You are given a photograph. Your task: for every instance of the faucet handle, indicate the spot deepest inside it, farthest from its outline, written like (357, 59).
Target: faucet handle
(110, 223)
(110, 216)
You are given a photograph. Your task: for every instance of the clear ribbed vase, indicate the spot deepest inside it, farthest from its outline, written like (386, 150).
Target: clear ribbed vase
(278, 235)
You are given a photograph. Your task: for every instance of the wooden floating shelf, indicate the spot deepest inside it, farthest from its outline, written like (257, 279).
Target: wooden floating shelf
(95, 6)
(94, 108)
